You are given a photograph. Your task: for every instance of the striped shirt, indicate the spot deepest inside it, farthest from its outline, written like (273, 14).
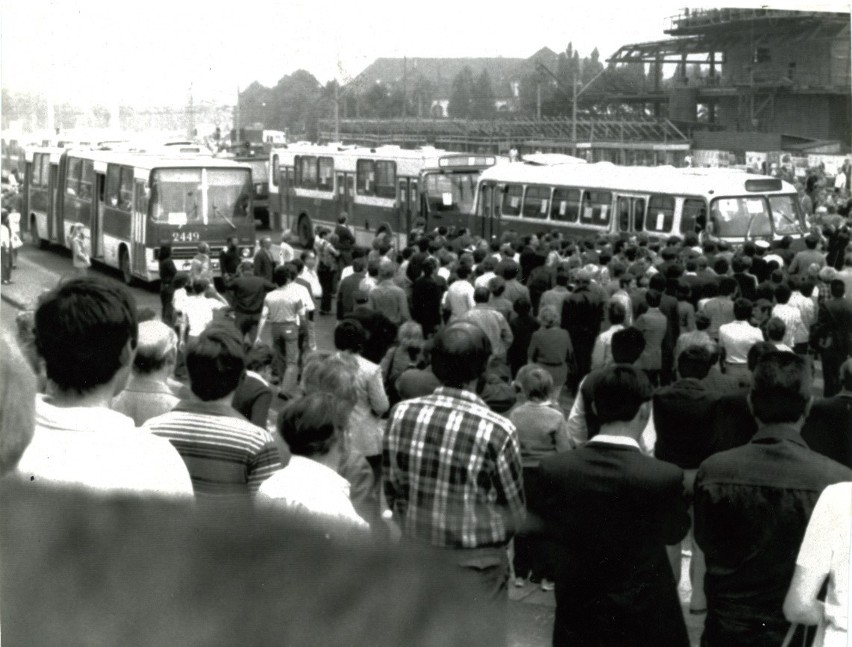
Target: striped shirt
(452, 471)
(226, 455)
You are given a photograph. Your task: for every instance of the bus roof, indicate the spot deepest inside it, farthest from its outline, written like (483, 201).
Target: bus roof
(659, 179)
(154, 159)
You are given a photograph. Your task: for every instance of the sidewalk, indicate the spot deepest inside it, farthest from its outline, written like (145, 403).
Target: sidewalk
(29, 281)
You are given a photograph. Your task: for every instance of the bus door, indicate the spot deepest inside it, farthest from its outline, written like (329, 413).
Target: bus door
(288, 178)
(404, 206)
(137, 228)
(345, 191)
(486, 213)
(97, 227)
(631, 213)
(54, 227)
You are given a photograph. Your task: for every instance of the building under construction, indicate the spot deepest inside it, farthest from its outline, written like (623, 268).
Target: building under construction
(762, 79)
(729, 79)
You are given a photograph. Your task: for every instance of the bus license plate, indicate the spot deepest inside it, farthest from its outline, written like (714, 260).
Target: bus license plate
(185, 236)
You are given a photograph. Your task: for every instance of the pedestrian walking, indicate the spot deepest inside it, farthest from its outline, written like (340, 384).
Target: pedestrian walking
(80, 249)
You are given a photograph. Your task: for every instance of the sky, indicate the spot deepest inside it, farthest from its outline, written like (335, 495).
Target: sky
(97, 51)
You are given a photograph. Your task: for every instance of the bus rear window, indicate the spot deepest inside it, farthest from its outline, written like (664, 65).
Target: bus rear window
(511, 205)
(660, 216)
(596, 206)
(537, 202)
(566, 205)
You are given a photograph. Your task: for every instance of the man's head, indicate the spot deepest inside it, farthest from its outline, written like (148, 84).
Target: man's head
(627, 345)
(199, 286)
(309, 259)
(157, 348)
(350, 335)
(215, 363)
(86, 332)
(481, 294)
(775, 329)
(284, 274)
(622, 397)
(460, 354)
(309, 425)
(266, 242)
(780, 389)
(695, 362)
(233, 241)
(837, 288)
(743, 309)
(246, 267)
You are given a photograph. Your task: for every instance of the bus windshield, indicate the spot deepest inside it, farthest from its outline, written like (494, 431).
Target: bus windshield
(741, 217)
(451, 191)
(200, 196)
(785, 214)
(258, 171)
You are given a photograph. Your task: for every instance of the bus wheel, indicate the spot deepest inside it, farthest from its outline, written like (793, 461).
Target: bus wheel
(35, 238)
(124, 266)
(305, 230)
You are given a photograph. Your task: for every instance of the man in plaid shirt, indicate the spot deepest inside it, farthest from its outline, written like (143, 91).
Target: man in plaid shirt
(452, 468)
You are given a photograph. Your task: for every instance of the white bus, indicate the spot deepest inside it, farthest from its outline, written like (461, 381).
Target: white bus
(588, 200)
(387, 186)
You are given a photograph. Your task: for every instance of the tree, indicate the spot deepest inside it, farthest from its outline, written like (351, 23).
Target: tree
(375, 102)
(482, 103)
(423, 94)
(461, 95)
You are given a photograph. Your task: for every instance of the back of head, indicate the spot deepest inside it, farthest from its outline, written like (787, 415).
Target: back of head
(780, 389)
(757, 351)
(410, 333)
(653, 298)
(215, 362)
(386, 271)
(743, 309)
(350, 335)
(332, 373)
(309, 425)
(619, 393)
(481, 294)
(359, 264)
(727, 286)
(617, 313)
(548, 317)
(522, 306)
(702, 321)
(283, 274)
(775, 329)
(783, 293)
(157, 347)
(199, 286)
(85, 330)
(535, 382)
(695, 362)
(511, 271)
(460, 353)
(627, 345)
(17, 404)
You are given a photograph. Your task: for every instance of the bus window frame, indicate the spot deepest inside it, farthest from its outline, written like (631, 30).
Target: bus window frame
(276, 169)
(555, 205)
(693, 221)
(668, 219)
(301, 163)
(125, 189)
(537, 215)
(329, 185)
(507, 191)
(112, 185)
(72, 178)
(587, 202)
(387, 187)
(752, 196)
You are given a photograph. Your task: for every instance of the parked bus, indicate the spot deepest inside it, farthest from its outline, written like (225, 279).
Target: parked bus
(39, 193)
(256, 157)
(588, 200)
(388, 187)
(131, 203)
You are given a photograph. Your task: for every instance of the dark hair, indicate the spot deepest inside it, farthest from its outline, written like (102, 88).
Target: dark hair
(462, 271)
(657, 282)
(775, 329)
(511, 270)
(653, 298)
(617, 312)
(627, 345)
(757, 351)
(743, 309)
(259, 357)
(460, 353)
(165, 252)
(359, 265)
(783, 293)
(308, 424)
(702, 321)
(837, 288)
(780, 389)
(199, 286)
(429, 266)
(82, 328)
(522, 306)
(695, 361)
(350, 335)
(619, 392)
(481, 294)
(215, 362)
(727, 286)
(497, 285)
(720, 266)
(283, 274)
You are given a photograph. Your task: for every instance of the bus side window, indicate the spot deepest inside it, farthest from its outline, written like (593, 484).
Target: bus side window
(385, 179)
(125, 197)
(623, 205)
(325, 174)
(638, 214)
(112, 184)
(142, 197)
(660, 215)
(413, 193)
(306, 171)
(565, 206)
(366, 177)
(511, 205)
(537, 202)
(72, 176)
(693, 217)
(87, 176)
(596, 208)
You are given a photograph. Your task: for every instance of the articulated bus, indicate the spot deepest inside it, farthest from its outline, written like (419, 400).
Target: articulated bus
(39, 193)
(587, 200)
(131, 203)
(388, 187)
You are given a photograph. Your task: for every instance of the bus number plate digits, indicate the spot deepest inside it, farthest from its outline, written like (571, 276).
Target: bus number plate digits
(185, 236)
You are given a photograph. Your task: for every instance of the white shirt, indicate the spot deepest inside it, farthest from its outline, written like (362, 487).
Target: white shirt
(199, 311)
(795, 332)
(602, 351)
(346, 271)
(615, 440)
(313, 278)
(737, 338)
(307, 299)
(286, 253)
(825, 549)
(482, 281)
(101, 449)
(308, 486)
(459, 297)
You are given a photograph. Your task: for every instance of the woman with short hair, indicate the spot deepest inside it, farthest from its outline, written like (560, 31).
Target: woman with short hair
(550, 348)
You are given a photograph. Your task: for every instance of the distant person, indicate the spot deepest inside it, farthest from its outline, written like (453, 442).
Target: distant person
(86, 333)
(551, 349)
(147, 393)
(737, 337)
(611, 511)
(80, 250)
(5, 251)
(264, 263)
(248, 292)
(348, 286)
(752, 505)
(168, 272)
(582, 315)
(227, 457)
(831, 335)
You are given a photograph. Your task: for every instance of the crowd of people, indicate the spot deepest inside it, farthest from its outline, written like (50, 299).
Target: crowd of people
(536, 408)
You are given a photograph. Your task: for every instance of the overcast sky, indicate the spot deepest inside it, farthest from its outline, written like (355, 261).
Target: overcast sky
(98, 51)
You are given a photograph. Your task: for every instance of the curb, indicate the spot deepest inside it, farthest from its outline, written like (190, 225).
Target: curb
(15, 303)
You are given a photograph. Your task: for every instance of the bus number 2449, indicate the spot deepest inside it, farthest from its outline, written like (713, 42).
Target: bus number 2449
(185, 236)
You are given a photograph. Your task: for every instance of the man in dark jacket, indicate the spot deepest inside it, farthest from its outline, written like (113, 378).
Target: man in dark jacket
(348, 286)
(264, 264)
(834, 323)
(247, 294)
(611, 511)
(752, 505)
(828, 429)
(582, 314)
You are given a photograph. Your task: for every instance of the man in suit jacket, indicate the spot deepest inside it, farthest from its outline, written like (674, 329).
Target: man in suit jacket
(347, 287)
(264, 264)
(834, 319)
(752, 505)
(582, 314)
(668, 307)
(345, 240)
(611, 511)
(653, 325)
(828, 428)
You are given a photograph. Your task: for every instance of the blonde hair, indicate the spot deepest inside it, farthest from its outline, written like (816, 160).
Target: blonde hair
(548, 317)
(535, 382)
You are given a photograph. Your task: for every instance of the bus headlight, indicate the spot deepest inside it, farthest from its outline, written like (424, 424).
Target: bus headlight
(246, 252)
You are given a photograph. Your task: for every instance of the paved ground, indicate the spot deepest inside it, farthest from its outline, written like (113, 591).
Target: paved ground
(530, 609)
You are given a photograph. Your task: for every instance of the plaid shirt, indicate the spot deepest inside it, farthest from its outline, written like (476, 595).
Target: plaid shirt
(452, 471)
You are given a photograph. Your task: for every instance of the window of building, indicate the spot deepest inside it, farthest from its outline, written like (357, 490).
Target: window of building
(565, 206)
(596, 208)
(537, 202)
(660, 213)
(512, 200)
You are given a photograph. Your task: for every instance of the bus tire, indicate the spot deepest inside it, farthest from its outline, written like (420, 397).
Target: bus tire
(35, 238)
(124, 266)
(305, 231)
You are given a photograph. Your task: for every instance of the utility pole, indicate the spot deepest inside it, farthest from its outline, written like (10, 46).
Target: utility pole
(191, 116)
(237, 116)
(336, 111)
(574, 111)
(404, 85)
